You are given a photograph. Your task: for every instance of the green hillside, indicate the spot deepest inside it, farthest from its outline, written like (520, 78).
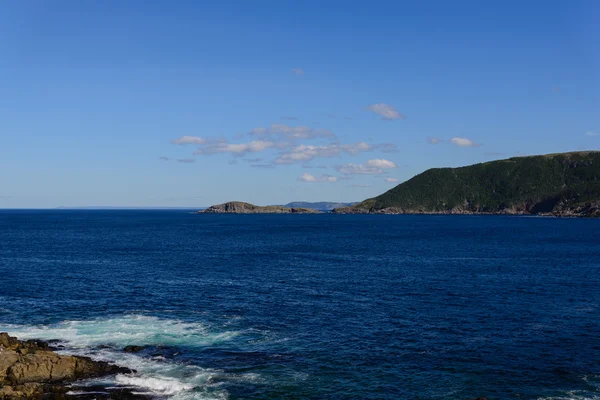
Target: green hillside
(565, 183)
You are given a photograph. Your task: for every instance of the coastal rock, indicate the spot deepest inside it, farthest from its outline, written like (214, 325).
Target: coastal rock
(239, 207)
(133, 349)
(29, 369)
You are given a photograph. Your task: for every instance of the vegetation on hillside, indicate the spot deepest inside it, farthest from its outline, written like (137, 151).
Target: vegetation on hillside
(551, 183)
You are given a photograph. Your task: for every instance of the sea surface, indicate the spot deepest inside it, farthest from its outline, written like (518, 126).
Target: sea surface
(312, 306)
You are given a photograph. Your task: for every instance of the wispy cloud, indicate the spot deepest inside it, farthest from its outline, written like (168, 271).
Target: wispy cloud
(381, 163)
(358, 185)
(348, 118)
(591, 133)
(304, 153)
(186, 160)
(358, 169)
(434, 140)
(290, 118)
(292, 132)
(259, 131)
(298, 71)
(387, 147)
(264, 166)
(371, 167)
(386, 111)
(306, 177)
(188, 140)
(464, 142)
(163, 158)
(331, 115)
(236, 149)
(391, 180)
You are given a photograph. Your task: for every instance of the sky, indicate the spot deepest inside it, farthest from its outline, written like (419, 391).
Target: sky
(193, 103)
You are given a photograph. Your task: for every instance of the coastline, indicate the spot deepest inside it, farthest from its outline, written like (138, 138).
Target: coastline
(32, 369)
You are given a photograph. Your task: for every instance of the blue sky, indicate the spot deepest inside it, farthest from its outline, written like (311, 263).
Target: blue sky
(160, 103)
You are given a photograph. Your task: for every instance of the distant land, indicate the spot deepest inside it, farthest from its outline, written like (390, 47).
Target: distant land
(239, 207)
(320, 205)
(562, 184)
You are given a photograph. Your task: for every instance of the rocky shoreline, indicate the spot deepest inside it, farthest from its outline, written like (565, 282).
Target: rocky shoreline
(587, 210)
(31, 369)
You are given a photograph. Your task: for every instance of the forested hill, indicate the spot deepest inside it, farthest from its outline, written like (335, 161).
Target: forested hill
(559, 184)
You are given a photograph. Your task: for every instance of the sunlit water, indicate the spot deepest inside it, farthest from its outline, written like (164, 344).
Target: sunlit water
(312, 306)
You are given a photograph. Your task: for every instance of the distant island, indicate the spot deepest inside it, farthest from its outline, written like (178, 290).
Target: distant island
(238, 207)
(563, 184)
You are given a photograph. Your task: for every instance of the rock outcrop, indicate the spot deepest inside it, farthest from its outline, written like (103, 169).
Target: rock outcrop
(239, 207)
(30, 369)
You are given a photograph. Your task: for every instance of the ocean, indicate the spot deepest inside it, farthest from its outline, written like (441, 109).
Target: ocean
(312, 306)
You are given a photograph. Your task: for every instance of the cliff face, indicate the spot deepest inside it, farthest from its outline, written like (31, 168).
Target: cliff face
(565, 184)
(238, 207)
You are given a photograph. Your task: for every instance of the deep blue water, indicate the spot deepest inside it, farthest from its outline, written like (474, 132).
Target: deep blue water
(313, 306)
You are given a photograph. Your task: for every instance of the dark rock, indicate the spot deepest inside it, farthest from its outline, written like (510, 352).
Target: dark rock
(29, 369)
(133, 349)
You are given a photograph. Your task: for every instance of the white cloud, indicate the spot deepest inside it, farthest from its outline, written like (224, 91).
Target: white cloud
(391, 180)
(259, 131)
(358, 169)
(186, 160)
(238, 149)
(188, 140)
(386, 111)
(433, 140)
(463, 142)
(356, 148)
(292, 132)
(290, 118)
(591, 133)
(306, 177)
(308, 152)
(371, 167)
(298, 71)
(380, 163)
(163, 158)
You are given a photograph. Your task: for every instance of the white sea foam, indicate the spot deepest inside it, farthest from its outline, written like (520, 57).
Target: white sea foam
(156, 376)
(138, 330)
(166, 386)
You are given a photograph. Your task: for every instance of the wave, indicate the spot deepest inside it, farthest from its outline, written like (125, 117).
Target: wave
(103, 340)
(592, 392)
(122, 331)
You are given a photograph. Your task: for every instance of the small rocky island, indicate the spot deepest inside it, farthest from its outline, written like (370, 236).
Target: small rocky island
(238, 207)
(32, 370)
